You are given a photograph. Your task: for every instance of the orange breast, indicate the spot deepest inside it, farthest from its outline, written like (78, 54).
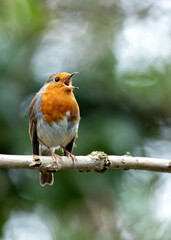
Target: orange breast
(56, 102)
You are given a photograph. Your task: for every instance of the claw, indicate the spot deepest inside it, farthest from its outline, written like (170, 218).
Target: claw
(55, 156)
(70, 155)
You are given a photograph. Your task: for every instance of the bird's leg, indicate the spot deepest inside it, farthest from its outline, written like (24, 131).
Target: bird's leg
(70, 155)
(55, 156)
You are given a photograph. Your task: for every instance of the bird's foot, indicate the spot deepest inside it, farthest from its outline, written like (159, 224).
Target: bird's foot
(55, 156)
(68, 154)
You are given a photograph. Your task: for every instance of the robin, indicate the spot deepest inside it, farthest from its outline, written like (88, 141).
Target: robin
(54, 120)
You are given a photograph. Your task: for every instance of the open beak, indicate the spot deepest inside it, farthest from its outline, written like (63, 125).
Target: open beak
(68, 81)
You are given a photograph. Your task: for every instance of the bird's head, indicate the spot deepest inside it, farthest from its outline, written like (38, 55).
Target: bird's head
(62, 80)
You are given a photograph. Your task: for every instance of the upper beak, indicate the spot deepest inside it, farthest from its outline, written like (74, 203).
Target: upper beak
(67, 81)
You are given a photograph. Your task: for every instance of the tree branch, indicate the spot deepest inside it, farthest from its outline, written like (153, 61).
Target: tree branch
(97, 161)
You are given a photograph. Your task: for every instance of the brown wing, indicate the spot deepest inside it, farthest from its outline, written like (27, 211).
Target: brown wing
(33, 127)
(45, 177)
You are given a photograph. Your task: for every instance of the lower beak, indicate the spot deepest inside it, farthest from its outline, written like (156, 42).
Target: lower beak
(73, 87)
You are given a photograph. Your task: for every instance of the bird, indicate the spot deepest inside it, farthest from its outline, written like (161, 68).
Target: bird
(54, 118)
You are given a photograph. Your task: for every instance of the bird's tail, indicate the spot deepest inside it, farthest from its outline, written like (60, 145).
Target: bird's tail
(45, 177)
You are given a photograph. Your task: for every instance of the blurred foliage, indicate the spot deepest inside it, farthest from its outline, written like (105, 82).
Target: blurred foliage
(124, 97)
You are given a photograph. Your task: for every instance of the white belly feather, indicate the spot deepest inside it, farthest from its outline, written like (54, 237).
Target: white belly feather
(56, 134)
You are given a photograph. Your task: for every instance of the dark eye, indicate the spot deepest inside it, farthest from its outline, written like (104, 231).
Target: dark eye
(57, 79)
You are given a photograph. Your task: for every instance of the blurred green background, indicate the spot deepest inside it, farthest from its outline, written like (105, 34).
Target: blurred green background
(122, 51)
